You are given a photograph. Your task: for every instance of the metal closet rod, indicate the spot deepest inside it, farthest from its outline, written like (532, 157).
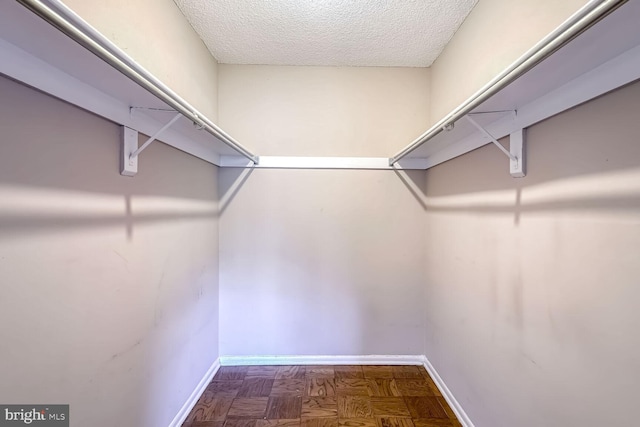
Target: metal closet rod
(577, 23)
(67, 21)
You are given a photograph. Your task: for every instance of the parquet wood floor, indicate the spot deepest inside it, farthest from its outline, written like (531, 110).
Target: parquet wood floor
(321, 396)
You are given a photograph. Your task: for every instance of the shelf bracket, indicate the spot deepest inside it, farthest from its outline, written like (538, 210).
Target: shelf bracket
(130, 149)
(516, 148)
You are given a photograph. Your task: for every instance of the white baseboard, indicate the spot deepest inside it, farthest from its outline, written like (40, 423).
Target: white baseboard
(322, 360)
(446, 393)
(195, 395)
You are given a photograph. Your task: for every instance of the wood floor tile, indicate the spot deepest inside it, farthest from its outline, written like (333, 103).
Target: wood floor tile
(379, 387)
(354, 407)
(377, 371)
(240, 422)
(205, 424)
(286, 387)
(228, 388)
(248, 407)
(433, 387)
(424, 372)
(319, 422)
(231, 373)
(425, 407)
(357, 422)
(394, 422)
(284, 407)
(320, 371)
(414, 387)
(210, 408)
(389, 407)
(220, 409)
(435, 422)
(319, 407)
(262, 371)
(406, 372)
(352, 387)
(290, 372)
(320, 387)
(279, 423)
(255, 387)
(348, 372)
(321, 396)
(446, 407)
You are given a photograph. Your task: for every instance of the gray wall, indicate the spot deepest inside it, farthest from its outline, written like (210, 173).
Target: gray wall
(532, 289)
(320, 262)
(109, 284)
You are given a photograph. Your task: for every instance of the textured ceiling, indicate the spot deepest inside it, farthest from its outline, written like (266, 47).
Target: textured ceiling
(409, 33)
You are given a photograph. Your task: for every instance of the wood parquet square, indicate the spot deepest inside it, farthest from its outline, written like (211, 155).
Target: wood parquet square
(321, 396)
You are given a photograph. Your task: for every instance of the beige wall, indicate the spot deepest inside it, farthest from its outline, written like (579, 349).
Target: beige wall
(493, 36)
(532, 284)
(319, 262)
(109, 284)
(158, 37)
(324, 111)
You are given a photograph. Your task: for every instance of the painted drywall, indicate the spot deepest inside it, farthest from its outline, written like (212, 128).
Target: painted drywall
(109, 284)
(532, 284)
(320, 262)
(324, 111)
(493, 36)
(158, 37)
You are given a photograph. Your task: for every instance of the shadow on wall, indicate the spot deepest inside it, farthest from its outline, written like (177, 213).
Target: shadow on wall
(332, 252)
(34, 220)
(55, 181)
(532, 282)
(595, 166)
(111, 282)
(230, 185)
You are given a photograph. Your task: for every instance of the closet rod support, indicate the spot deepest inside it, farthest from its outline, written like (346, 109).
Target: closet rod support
(573, 26)
(488, 135)
(66, 20)
(155, 136)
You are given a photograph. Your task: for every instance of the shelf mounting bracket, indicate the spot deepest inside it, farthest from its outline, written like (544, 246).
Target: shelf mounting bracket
(131, 151)
(516, 148)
